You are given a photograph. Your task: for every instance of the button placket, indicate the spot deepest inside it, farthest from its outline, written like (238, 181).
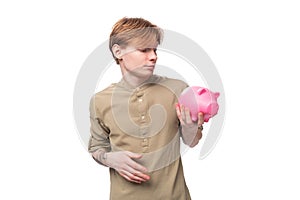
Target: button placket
(141, 106)
(145, 142)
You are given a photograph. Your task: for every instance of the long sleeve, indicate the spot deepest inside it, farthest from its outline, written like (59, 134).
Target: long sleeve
(99, 138)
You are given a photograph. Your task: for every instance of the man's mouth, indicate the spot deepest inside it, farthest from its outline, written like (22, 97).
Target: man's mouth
(149, 66)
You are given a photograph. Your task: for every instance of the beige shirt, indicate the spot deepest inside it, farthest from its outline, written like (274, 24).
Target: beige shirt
(141, 120)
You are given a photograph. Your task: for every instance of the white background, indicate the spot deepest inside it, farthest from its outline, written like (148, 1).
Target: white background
(254, 45)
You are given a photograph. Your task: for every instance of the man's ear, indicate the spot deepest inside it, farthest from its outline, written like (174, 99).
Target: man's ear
(116, 49)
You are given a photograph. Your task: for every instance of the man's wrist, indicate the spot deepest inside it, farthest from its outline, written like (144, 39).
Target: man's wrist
(103, 157)
(200, 127)
(100, 156)
(189, 128)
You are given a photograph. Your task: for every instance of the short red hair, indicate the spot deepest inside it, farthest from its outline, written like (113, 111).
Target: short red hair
(134, 31)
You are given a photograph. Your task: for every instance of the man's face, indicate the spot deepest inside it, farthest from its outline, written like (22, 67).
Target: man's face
(139, 61)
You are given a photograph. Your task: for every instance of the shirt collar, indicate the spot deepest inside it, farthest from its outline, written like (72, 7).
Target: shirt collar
(154, 79)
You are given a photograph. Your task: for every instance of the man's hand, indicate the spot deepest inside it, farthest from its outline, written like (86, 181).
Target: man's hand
(191, 133)
(124, 163)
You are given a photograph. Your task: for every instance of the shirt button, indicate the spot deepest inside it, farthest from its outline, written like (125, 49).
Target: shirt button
(145, 143)
(140, 100)
(143, 116)
(139, 94)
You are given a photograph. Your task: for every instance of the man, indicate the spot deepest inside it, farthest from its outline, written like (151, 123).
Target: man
(136, 124)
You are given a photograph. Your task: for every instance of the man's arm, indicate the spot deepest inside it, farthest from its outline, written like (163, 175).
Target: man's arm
(191, 131)
(122, 161)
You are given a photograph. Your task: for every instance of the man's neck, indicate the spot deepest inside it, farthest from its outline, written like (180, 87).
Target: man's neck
(135, 81)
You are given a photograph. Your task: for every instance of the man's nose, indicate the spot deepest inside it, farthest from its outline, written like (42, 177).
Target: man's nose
(152, 55)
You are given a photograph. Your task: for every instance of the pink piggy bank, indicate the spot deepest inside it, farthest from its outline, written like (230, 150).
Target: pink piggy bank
(199, 99)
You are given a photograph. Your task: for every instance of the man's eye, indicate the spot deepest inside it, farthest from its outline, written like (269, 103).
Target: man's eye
(147, 50)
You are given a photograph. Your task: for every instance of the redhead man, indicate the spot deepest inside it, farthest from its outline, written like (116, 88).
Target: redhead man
(136, 124)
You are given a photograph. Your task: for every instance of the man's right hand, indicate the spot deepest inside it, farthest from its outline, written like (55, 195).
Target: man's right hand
(124, 163)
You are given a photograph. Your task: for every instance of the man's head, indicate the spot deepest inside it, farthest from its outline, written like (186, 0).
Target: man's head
(135, 32)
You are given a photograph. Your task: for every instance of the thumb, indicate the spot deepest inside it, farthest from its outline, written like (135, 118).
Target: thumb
(134, 155)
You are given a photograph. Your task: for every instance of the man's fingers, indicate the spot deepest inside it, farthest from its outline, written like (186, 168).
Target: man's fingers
(138, 170)
(178, 111)
(134, 165)
(134, 155)
(200, 118)
(128, 178)
(135, 168)
(134, 175)
(139, 175)
(187, 116)
(183, 114)
(182, 110)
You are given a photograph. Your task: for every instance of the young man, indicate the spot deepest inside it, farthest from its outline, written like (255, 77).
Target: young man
(136, 124)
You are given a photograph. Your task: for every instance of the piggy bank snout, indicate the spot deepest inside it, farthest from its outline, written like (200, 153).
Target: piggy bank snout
(217, 94)
(212, 108)
(207, 103)
(210, 111)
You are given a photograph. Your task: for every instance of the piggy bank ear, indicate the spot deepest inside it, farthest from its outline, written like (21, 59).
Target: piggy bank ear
(201, 91)
(217, 94)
